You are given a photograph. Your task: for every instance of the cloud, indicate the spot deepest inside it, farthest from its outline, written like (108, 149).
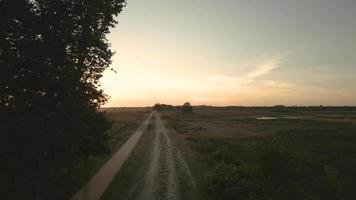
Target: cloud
(263, 65)
(263, 69)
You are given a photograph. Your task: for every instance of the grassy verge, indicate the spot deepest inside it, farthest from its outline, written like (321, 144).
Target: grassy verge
(133, 169)
(125, 122)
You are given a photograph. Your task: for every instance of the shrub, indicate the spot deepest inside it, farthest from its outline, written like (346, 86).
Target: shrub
(273, 172)
(187, 108)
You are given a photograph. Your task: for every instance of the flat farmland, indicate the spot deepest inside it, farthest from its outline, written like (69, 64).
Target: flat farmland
(269, 152)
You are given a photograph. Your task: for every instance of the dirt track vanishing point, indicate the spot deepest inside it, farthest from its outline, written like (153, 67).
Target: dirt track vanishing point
(166, 174)
(166, 170)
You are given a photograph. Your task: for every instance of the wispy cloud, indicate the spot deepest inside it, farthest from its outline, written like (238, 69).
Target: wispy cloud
(263, 65)
(263, 69)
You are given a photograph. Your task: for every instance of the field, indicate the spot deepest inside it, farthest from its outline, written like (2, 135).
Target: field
(269, 153)
(232, 153)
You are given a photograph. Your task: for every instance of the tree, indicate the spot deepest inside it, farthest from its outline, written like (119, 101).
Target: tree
(52, 55)
(187, 108)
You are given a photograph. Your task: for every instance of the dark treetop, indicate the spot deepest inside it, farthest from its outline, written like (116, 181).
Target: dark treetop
(52, 54)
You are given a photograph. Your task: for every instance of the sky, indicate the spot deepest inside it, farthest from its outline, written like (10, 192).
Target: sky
(233, 52)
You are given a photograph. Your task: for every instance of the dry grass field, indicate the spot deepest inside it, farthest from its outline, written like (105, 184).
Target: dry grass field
(260, 153)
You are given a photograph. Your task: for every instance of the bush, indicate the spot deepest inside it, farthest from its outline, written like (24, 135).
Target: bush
(187, 108)
(230, 182)
(273, 172)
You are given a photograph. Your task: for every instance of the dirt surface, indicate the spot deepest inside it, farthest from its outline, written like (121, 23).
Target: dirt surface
(98, 184)
(164, 174)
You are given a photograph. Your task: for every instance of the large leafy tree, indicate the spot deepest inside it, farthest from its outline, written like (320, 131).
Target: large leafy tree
(52, 55)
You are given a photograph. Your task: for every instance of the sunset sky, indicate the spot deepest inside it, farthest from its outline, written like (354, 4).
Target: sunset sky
(234, 52)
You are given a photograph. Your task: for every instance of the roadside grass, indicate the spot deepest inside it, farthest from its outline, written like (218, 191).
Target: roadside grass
(245, 158)
(133, 169)
(125, 122)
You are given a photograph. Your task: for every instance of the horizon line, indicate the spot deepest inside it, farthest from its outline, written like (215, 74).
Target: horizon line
(247, 106)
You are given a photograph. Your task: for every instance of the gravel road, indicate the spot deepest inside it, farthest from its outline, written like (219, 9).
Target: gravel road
(167, 175)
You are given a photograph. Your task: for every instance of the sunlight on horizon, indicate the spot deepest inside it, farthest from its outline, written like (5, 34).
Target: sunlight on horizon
(231, 57)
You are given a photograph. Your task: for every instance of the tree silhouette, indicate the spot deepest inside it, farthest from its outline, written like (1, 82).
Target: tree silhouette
(187, 108)
(52, 55)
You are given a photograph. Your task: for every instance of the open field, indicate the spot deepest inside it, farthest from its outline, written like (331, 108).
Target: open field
(234, 153)
(261, 153)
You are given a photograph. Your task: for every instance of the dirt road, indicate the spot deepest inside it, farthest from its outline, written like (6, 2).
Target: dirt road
(161, 174)
(98, 184)
(167, 175)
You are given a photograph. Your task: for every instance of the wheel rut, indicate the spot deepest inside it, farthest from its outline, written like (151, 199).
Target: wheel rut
(165, 171)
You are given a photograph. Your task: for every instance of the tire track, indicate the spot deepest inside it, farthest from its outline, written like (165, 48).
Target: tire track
(166, 170)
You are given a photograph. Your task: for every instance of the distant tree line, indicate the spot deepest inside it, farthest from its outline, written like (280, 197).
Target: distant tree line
(185, 108)
(52, 54)
(162, 107)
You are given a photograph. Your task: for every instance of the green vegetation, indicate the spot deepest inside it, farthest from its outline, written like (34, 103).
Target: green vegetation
(246, 158)
(278, 168)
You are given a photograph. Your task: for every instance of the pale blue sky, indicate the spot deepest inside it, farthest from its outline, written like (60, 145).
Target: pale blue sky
(234, 52)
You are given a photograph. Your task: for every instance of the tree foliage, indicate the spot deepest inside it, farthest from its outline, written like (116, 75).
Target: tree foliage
(187, 108)
(52, 55)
